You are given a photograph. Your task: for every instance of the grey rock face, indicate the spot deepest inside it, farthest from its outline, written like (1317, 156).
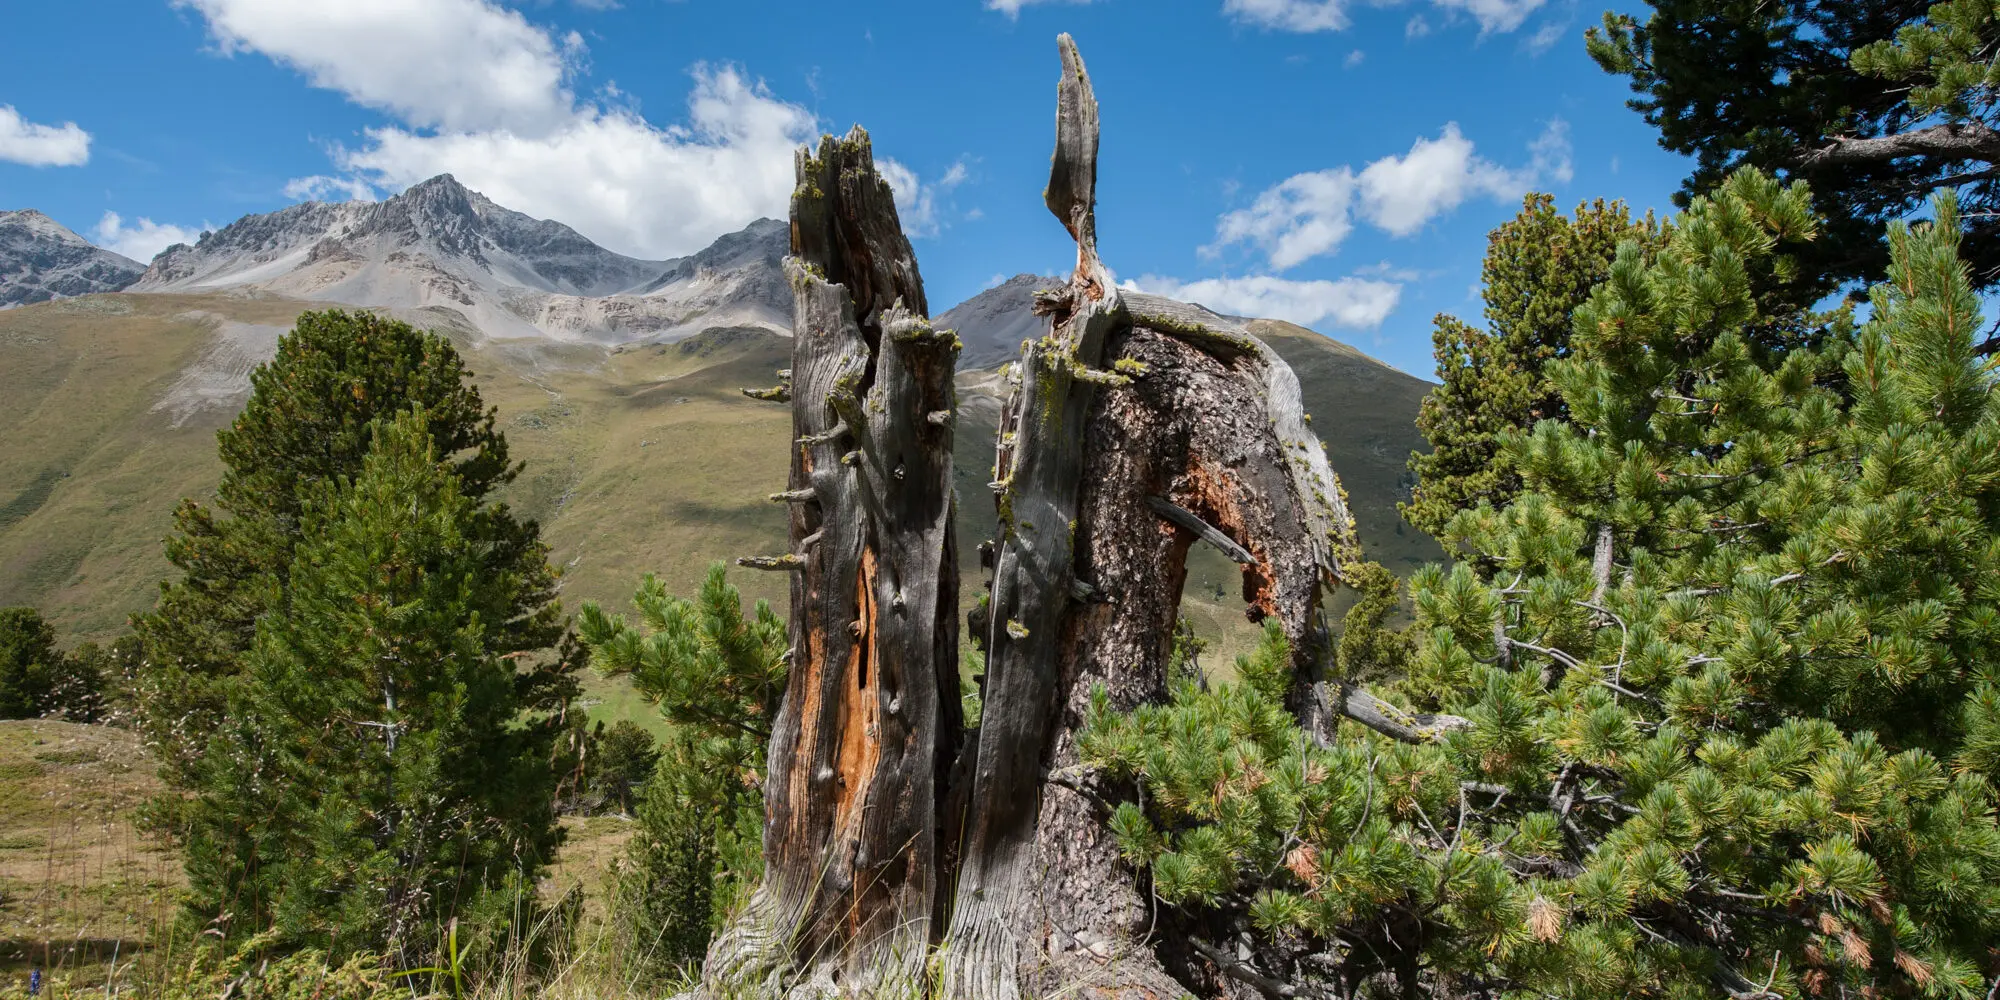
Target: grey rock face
(993, 323)
(41, 260)
(441, 244)
(440, 219)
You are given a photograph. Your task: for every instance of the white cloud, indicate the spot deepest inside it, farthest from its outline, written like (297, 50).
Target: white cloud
(1289, 15)
(1384, 269)
(479, 92)
(1354, 59)
(917, 202)
(448, 64)
(24, 142)
(1494, 16)
(630, 185)
(1401, 193)
(1303, 216)
(1551, 154)
(1353, 303)
(141, 241)
(1310, 214)
(1012, 8)
(1545, 37)
(320, 187)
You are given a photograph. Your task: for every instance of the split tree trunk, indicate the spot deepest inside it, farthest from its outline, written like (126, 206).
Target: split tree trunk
(899, 863)
(870, 719)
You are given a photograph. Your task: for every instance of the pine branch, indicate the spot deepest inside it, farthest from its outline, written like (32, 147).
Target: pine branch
(1189, 520)
(1951, 141)
(1395, 723)
(1243, 973)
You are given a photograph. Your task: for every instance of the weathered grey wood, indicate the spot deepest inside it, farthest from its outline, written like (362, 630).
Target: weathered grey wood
(870, 720)
(899, 863)
(1040, 469)
(1131, 408)
(1202, 529)
(1396, 723)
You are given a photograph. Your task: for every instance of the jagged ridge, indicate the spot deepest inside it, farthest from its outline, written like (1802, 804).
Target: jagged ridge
(441, 244)
(40, 259)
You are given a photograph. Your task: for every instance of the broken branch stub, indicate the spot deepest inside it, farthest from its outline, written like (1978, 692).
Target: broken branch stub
(1139, 425)
(870, 718)
(1134, 428)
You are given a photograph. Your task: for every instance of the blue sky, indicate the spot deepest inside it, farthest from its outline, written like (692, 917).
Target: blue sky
(1335, 162)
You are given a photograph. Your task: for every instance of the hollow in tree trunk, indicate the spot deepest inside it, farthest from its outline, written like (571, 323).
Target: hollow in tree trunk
(901, 858)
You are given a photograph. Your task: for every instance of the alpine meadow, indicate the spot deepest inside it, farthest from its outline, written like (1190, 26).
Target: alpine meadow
(406, 595)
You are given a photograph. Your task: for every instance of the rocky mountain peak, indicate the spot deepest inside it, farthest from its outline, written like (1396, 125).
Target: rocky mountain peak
(442, 244)
(993, 323)
(41, 259)
(39, 226)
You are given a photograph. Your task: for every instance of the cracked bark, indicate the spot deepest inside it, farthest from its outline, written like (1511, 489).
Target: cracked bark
(870, 718)
(897, 862)
(1132, 412)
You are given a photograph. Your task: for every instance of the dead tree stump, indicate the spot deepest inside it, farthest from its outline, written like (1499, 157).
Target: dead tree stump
(902, 858)
(871, 718)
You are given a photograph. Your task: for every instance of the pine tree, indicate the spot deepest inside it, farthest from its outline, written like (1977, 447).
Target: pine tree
(1540, 266)
(1727, 664)
(378, 773)
(716, 676)
(1878, 104)
(309, 421)
(624, 759)
(29, 663)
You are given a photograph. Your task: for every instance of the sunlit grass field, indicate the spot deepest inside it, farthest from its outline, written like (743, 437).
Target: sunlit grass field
(639, 459)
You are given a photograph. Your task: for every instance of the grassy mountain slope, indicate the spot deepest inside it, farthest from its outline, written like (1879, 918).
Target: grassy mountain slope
(640, 459)
(1365, 412)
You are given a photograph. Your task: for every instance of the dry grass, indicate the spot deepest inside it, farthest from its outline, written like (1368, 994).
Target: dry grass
(639, 459)
(79, 883)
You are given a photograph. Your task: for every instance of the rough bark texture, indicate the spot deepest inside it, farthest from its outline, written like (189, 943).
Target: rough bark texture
(871, 716)
(1137, 427)
(1133, 413)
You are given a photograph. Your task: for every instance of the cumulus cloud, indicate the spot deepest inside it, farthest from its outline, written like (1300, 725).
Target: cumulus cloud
(23, 141)
(917, 201)
(320, 187)
(1289, 15)
(448, 64)
(142, 240)
(480, 92)
(1310, 214)
(1303, 216)
(632, 186)
(1493, 16)
(1351, 303)
(1012, 8)
(1401, 193)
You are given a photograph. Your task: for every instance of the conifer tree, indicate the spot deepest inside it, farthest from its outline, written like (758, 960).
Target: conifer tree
(624, 758)
(1728, 663)
(309, 421)
(716, 675)
(378, 773)
(1878, 104)
(29, 662)
(1539, 267)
